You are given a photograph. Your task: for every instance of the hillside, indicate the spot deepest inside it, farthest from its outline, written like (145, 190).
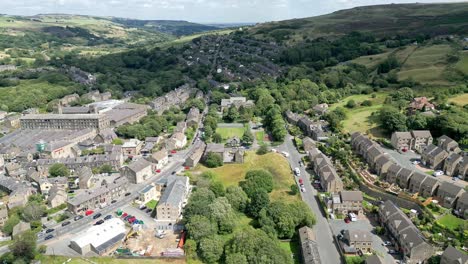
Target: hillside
(173, 27)
(381, 20)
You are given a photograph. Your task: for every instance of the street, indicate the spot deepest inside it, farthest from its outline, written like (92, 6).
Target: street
(327, 248)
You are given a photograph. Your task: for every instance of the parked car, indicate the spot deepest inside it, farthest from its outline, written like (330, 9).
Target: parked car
(274, 150)
(127, 194)
(124, 215)
(49, 230)
(49, 237)
(285, 154)
(303, 190)
(301, 182)
(78, 217)
(99, 222)
(339, 236)
(438, 173)
(297, 171)
(66, 223)
(142, 207)
(97, 215)
(392, 251)
(113, 201)
(387, 243)
(108, 217)
(148, 210)
(347, 220)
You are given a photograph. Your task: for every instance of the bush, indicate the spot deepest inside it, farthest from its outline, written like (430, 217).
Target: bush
(59, 169)
(351, 104)
(367, 103)
(213, 160)
(262, 150)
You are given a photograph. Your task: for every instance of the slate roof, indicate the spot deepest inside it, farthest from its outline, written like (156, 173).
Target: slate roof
(351, 196)
(403, 135)
(358, 235)
(310, 253)
(450, 188)
(139, 165)
(394, 169)
(452, 255)
(214, 147)
(174, 193)
(421, 133)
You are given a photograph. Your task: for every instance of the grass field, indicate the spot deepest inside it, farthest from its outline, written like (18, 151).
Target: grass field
(426, 65)
(371, 61)
(228, 132)
(359, 118)
(292, 247)
(462, 64)
(451, 221)
(232, 174)
(460, 99)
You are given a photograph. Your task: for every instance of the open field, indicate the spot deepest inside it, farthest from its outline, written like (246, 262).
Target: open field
(106, 260)
(450, 221)
(359, 118)
(292, 247)
(426, 65)
(372, 61)
(229, 132)
(461, 99)
(462, 64)
(232, 174)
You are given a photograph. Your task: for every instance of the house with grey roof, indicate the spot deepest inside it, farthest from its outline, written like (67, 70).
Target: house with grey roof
(105, 136)
(448, 144)
(429, 187)
(215, 148)
(408, 240)
(373, 154)
(177, 141)
(291, 117)
(196, 155)
(85, 177)
(348, 202)
(56, 196)
(173, 199)
(159, 158)
(452, 163)
(180, 127)
(137, 171)
(392, 173)
(313, 152)
(452, 255)
(461, 208)
(356, 241)
(309, 246)
(382, 164)
(416, 181)
(320, 109)
(403, 178)
(402, 141)
(193, 117)
(421, 139)
(463, 169)
(308, 144)
(449, 193)
(433, 157)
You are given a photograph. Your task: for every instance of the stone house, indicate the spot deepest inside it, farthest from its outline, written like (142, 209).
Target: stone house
(160, 159)
(433, 157)
(448, 144)
(214, 148)
(357, 241)
(320, 109)
(193, 117)
(421, 139)
(448, 194)
(463, 168)
(291, 117)
(132, 147)
(452, 255)
(382, 164)
(416, 181)
(147, 194)
(137, 171)
(420, 104)
(429, 187)
(373, 154)
(105, 136)
(85, 176)
(181, 127)
(462, 206)
(309, 246)
(452, 163)
(308, 144)
(56, 196)
(392, 173)
(402, 141)
(196, 156)
(177, 141)
(348, 202)
(173, 199)
(403, 178)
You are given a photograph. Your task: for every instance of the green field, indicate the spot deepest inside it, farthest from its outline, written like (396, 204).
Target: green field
(462, 64)
(260, 136)
(426, 65)
(359, 118)
(460, 99)
(371, 61)
(450, 221)
(292, 247)
(232, 174)
(229, 132)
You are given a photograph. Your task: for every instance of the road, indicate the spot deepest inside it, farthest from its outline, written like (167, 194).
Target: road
(326, 246)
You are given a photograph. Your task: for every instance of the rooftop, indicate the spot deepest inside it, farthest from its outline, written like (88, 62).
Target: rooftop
(100, 234)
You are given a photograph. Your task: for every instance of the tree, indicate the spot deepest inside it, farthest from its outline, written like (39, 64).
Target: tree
(257, 247)
(237, 198)
(198, 201)
(392, 120)
(106, 168)
(59, 169)
(258, 201)
(33, 211)
(236, 258)
(248, 137)
(221, 212)
(190, 248)
(262, 150)
(217, 138)
(232, 114)
(217, 188)
(213, 160)
(351, 104)
(294, 189)
(257, 180)
(24, 246)
(379, 230)
(10, 223)
(117, 141)
(211, 249)
(200, 226)
(366, 103)
(208, 132)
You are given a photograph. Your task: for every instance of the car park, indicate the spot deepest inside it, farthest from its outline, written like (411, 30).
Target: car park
(49, 237)
(108, 217)
(97, 215)
(99, 222)
(78, 217)
(66, 223)
(50, 230)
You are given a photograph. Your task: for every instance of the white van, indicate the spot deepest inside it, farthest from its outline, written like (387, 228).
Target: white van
(297, 171)
(352, 217)
(285, 154)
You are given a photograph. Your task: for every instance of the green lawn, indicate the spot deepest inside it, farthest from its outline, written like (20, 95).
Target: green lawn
(460, 99)
(229, 132)
(232, 174)
(451, 221)
(260, 135)
(292, 247)
(152, 204)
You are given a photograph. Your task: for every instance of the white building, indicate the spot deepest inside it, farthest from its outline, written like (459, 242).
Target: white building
(99, 239)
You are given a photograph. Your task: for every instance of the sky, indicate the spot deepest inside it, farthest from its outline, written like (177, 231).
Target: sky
(202, 11)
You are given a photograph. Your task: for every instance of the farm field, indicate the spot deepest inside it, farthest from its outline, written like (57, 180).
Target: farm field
(277, 165)
(462, 64)
(460, 99)
(426, 65)
(371, 61)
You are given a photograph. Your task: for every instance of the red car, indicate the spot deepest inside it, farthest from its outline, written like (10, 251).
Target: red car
(131, 220)
(300, 181)
(124, 215)
(347, 220)
(158, 171)
(173, 151)
(89, 212)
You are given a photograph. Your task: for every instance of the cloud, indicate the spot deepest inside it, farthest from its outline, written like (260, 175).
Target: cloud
(192, 10)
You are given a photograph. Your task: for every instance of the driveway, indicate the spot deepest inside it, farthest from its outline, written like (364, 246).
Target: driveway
(377, 242)
(326, 245)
